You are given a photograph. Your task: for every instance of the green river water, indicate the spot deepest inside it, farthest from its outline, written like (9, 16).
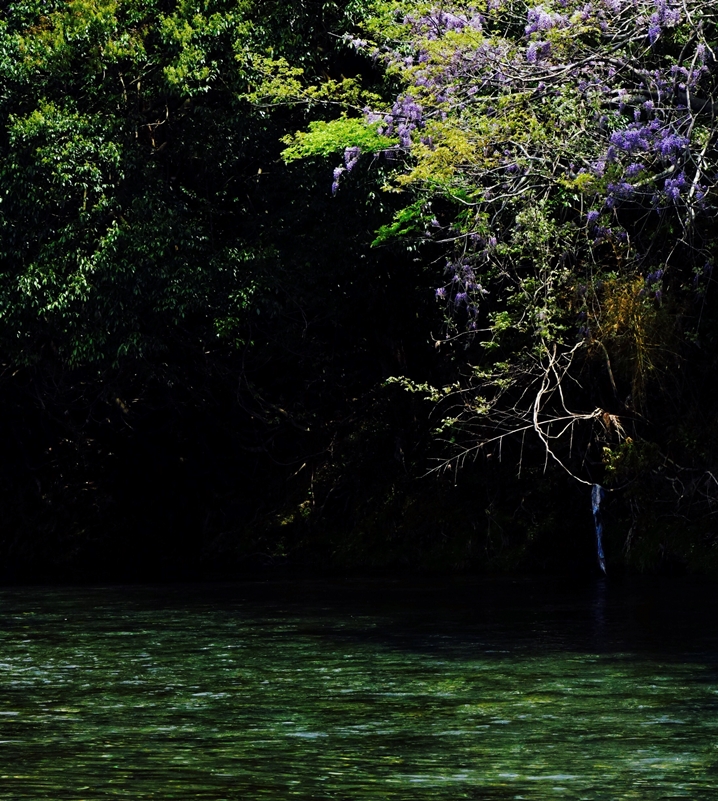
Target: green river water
(471, 689)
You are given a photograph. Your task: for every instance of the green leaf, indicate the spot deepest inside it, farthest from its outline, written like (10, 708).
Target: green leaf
(326, 138)
(408, 220)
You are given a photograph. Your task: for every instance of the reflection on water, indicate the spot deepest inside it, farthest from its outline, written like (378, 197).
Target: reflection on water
(360, 690)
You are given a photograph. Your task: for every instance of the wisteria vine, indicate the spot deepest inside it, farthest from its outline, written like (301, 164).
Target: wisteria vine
(566, 156)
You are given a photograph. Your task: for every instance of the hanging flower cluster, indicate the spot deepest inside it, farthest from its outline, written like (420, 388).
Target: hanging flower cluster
(604, 107)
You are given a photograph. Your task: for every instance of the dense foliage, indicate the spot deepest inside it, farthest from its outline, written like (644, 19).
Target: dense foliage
(565, 155)
(215, 348)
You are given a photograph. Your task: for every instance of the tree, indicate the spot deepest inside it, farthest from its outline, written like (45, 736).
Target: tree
(178, 333)
(564, 154)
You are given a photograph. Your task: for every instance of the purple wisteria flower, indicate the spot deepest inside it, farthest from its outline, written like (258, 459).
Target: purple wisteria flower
(537, 50)
(631, 139)
(407, 108)
(621, 190)
(437, 23)
(666, 15)
(673, 186)
(351, 157)
(654, 138)
(404, 133)
(654, 29)
(670, 144)
(406, 116)
(338, 172)
(538, 19)
(601, 233)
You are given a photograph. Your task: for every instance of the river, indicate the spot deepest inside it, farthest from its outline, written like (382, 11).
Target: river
(361, 689)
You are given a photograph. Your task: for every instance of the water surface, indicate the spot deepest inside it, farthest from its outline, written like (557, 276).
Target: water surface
(360, 690)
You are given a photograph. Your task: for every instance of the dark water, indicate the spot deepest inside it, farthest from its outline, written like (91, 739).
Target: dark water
(360, 690)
